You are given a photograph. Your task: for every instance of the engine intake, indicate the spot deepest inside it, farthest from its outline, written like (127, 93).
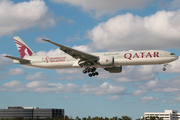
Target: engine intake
(114, 69)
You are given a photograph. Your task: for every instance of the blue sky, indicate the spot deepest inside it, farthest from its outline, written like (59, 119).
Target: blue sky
(91, 26)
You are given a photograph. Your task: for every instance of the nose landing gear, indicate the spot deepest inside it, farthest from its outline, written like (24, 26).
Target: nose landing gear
(164, 68)
(91, 71)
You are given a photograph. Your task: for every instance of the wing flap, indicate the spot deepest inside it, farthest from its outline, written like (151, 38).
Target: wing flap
(74, 53)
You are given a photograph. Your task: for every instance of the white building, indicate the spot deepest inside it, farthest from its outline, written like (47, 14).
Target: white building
(167, 115)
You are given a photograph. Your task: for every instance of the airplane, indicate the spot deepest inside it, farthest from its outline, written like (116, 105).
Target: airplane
(110, 61)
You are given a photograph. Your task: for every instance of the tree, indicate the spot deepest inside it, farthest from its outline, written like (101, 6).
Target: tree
(77, 118)
(48, 118)
(89, 118)
(126, 118)
(84, 118)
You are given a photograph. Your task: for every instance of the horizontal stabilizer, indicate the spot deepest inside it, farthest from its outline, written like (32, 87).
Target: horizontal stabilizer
(16, 58)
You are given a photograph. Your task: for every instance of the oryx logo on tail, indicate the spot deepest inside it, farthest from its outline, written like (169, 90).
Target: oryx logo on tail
(23, 48)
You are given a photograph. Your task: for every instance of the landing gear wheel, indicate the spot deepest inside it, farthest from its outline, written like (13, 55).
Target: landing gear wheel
(96, 73)
(90, 75)
(84, 71)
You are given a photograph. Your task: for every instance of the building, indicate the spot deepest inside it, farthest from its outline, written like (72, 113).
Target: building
(30, 112)
(167, 115)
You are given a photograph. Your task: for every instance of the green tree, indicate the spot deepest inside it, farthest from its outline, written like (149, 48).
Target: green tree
(115, 118)
(89, 118)
(48, 118)
(17, 118)
(126, 118)
(106, 118)
(84, 118)
(77, 118)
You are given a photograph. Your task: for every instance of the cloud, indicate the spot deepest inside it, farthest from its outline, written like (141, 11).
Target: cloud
(83, 48)
(162, 86)
(64, 98)
(16, 71)
(139, 92)
(37, 76)
(147, 99)
(103, 89)
(69, 71)
(13, 86)
(46, 87)
(117, 97)
(175, 4)
(4, 61)
(176, 100)
(51, 52)
(98, 8)
(131, 73)
(39, 39)
(126, 32)
(23, 15)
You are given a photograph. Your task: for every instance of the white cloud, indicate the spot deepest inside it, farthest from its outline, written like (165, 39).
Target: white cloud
(16, 71)
(176, 100)
(83, 48)
(23, 15)
(139, 93)
(162, 86)
(131, 74)
(147, 99)
(4, 61)
(75, 74)
(116, 97)
(13, 86)
(175, 4)
(46, 87)
(69, 71)
(103, 89)
(37, 76)
(51, 52)
(71, 77)
(97, 8)
(126, 32)
(64, 98)
(39, 39)
(174, 67)
(57, 51)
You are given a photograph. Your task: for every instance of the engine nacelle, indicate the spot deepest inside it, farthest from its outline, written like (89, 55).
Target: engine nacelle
(106, 60)
(114, 69)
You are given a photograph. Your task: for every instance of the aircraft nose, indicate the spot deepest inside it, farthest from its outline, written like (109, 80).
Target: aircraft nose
(176, 57)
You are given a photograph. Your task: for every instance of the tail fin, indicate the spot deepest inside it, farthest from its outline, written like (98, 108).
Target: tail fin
(23, 49)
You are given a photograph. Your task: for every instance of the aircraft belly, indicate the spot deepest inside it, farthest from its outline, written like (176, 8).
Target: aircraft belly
(54, 65)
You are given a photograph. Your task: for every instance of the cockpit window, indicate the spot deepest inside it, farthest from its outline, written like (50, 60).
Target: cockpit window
(172, 54)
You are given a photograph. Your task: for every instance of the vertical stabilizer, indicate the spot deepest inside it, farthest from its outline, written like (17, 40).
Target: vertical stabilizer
(23, 49)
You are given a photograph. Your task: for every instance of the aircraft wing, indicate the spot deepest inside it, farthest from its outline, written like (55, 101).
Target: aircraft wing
(75, 53)
(16, 58)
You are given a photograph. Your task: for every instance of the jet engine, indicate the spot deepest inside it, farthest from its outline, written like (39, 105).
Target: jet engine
(114, 69)
(106, 60)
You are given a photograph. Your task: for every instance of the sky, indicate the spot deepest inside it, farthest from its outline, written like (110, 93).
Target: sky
(91, 26)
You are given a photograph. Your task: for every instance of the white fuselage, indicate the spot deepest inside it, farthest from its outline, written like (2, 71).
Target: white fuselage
(124, 58)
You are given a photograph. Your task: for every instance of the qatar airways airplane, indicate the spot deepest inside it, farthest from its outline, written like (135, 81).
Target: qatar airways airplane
(110, 61)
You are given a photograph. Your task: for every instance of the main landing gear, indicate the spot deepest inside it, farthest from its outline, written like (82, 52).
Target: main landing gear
(91, 71)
